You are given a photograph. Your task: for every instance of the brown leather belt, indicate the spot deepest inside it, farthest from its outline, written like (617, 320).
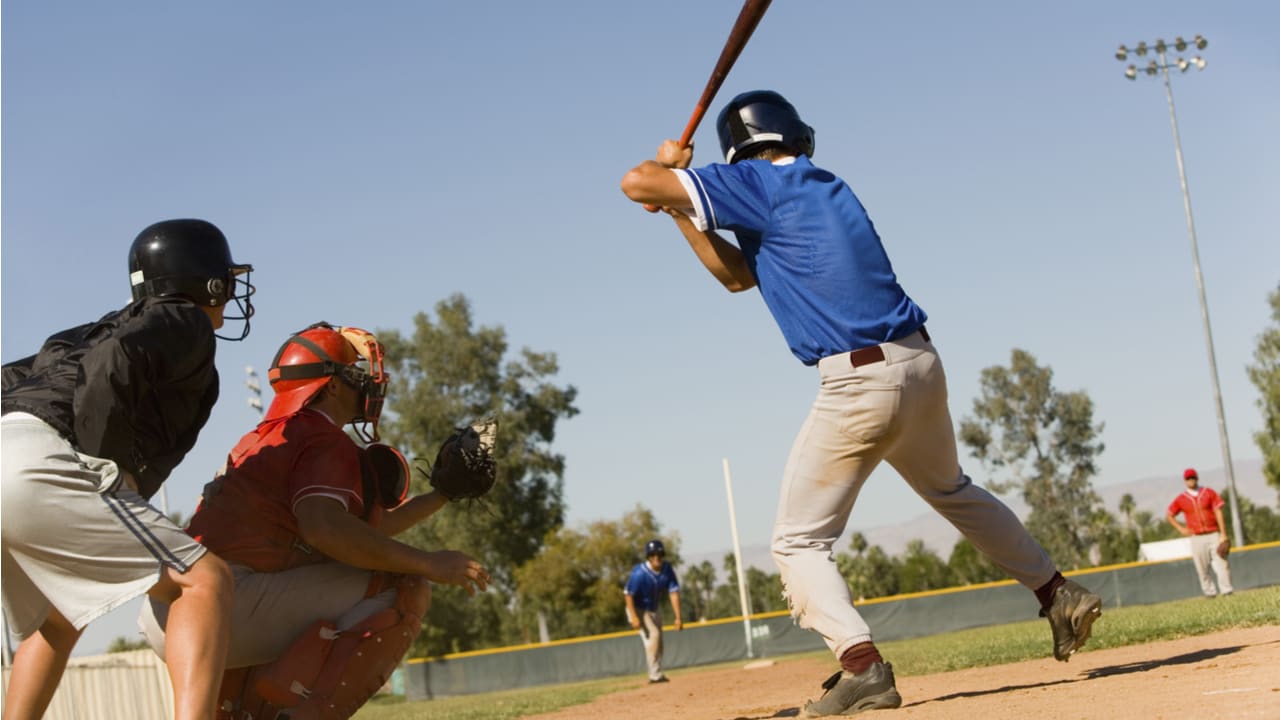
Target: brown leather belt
(875, 353)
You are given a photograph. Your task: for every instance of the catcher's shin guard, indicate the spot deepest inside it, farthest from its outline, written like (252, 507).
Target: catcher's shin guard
(362, 658)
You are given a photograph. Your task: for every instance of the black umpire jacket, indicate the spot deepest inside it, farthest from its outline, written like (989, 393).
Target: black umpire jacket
(135, 387)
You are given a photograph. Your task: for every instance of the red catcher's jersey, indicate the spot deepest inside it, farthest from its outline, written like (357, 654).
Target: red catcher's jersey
(246, 515)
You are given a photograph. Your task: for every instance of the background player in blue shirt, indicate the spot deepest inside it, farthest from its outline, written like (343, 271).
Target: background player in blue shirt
(643, 592)
(805, 240)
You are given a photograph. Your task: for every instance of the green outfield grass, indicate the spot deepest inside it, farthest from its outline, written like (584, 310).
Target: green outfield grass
(919, 656)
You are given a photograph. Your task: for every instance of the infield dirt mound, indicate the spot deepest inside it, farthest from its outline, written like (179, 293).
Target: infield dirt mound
(1230, 674)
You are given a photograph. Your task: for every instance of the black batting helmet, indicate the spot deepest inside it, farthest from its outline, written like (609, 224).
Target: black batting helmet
(761, 117)
(190, 259)
(655, 547)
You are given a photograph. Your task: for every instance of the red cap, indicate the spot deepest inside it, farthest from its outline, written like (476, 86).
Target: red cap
(1189, 473)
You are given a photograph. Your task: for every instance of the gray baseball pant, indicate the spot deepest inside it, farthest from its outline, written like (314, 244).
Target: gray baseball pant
(1204, 555)
(895, 411)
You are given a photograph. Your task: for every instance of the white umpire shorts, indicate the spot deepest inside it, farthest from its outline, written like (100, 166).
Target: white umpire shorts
(74, 536)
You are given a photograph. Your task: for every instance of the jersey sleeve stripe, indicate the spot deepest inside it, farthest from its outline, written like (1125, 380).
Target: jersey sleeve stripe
(700, 205)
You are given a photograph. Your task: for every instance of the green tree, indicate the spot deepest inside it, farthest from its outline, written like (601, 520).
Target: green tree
(970, 567)
(869, 570)
(1127, 508)
(576, 581)
(921, 569)
(1265, 374)
(1260, 523)
(447, 373)
(764, 591)
(697, 588)
(1046, 443)
(124, 644)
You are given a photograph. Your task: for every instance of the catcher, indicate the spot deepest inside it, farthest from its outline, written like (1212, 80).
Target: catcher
(326, 603)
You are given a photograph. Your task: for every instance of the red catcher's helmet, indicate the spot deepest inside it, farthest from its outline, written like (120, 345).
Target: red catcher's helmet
(307, 360)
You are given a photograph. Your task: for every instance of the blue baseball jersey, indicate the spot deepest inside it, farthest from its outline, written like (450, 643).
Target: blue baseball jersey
(816, 257)
(646, 586)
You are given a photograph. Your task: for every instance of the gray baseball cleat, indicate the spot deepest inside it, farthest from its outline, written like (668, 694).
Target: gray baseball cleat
(849, 694)
(1071, 618)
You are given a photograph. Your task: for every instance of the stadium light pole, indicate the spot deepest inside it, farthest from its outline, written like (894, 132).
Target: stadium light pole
(1160, 65)
(255, 389)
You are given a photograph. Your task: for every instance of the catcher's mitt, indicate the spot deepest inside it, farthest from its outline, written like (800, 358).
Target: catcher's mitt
(464, 466)
(1224, 548)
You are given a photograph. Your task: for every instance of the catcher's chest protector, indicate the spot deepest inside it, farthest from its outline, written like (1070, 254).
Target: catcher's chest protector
(326, 674)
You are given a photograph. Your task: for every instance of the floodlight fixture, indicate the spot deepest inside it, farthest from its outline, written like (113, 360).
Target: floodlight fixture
(1131, 72)
(1141, 50)
(1201, 43)
(1122, 54)
(1183, 64)
(1160, 46)
(1179, 44)
(1152, 68)
(1198, 62)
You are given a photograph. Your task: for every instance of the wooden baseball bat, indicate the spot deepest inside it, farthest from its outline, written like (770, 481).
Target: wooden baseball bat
(748, 19)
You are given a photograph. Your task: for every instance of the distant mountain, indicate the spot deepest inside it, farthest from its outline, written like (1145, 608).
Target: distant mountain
(1151, 494)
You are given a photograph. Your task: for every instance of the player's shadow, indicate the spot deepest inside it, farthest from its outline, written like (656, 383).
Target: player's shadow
(1183, 659)
(1107, 671)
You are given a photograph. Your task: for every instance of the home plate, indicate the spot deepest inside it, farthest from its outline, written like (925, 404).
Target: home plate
(756, 665)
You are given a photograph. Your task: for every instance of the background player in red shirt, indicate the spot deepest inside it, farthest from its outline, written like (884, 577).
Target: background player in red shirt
(1202, 509)
(326, 603)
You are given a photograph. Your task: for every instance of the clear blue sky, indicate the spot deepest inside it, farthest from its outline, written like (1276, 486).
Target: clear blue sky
(372, 158)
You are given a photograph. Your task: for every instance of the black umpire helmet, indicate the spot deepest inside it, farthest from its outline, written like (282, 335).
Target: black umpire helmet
(190, 259)
(655, 547)
(757, 118)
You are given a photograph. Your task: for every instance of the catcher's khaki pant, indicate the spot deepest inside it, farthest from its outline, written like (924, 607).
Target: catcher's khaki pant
(1204, 555)
(896, 411)
(651, 634)
(270, 610)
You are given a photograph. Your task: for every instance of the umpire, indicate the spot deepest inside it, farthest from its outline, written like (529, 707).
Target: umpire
(92, 426)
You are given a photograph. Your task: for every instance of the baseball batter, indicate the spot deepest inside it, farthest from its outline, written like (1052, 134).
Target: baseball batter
(805, 240)
(643, 593)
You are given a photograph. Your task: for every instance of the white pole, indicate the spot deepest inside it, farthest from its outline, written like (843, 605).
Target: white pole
(737, 560)
(6, 660)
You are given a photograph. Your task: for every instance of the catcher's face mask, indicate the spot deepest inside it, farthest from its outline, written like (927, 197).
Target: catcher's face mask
(308, 359)
(371, 380)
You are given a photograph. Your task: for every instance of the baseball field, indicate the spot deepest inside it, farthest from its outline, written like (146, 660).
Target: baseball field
(1188, 658)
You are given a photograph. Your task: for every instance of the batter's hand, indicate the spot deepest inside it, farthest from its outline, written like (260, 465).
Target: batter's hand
(671, 154)
(679, 624)
(451, 567)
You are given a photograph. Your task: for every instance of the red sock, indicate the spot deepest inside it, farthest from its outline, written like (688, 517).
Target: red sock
(1044, 593)
(858, 658)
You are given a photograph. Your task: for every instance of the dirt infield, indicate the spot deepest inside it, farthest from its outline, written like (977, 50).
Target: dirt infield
(1231, 674)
